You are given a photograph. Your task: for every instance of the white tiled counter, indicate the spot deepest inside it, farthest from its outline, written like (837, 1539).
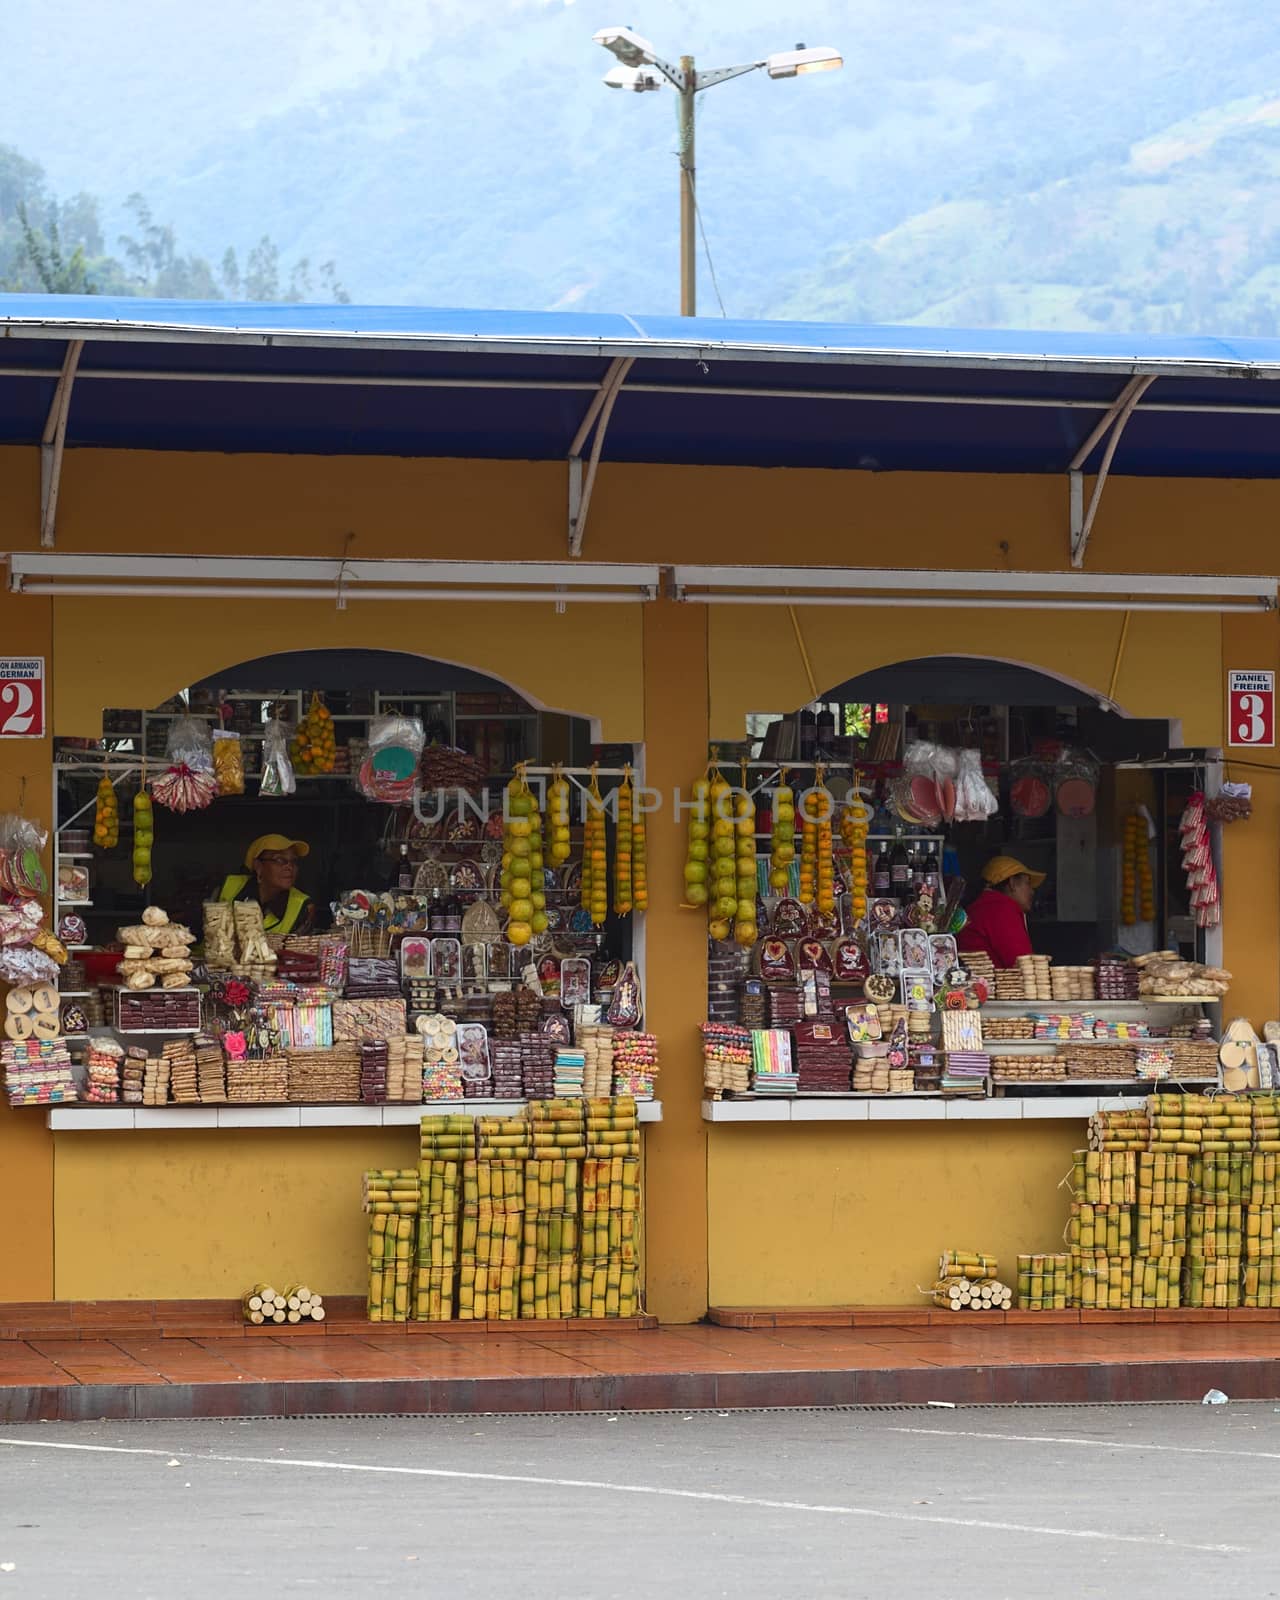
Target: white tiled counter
(139, 1119)
(911, 1108)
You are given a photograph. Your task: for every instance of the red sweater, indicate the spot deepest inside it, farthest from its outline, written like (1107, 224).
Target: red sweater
(997, 925)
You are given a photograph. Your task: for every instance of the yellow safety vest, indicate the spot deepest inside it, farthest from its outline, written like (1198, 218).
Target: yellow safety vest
(298, 902)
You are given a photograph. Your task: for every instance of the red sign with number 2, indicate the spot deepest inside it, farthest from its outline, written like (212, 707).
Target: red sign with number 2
(21, 697)
(1251, 708)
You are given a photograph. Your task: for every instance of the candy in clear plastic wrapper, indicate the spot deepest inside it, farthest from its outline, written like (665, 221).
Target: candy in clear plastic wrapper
(390, 768)
(18, 964)
(974, 799)
(277, 770)
(228, 763)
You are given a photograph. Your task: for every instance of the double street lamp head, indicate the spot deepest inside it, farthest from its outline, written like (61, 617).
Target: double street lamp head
(629, 47)
(795, 63)
(637, 55)
(637, 79)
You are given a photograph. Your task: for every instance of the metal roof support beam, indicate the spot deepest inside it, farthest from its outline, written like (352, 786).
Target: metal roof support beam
(581, 482)
(1113, 421)
(53, 442)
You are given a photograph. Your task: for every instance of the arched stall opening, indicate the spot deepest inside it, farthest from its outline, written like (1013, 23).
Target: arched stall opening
(973, 836)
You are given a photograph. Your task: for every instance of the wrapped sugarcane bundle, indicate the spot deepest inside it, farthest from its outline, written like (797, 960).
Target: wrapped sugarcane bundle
(391, 1249)
(1160, 1231)
(612, 1127)
(1215, 1232)
(490, 1237)
(1261, 1283)
(1265, 1112)
(557, 1128)
(1263, 1189)
(1212, 1282)
(1105, 1177)
(1163, 1180)
(549, 1258)
(610, 1239)
(966, 1264)
(1044, 1282)
(1261, 1230)
(1119, 1130)
(1102, 1283)
(1157, 1283)
(971, 1294)
(1220, 1177)
(303, 1305)
(447, 1138)
(1100, 1230)
(505, 1138)
(437, 1245)
(392, 1191)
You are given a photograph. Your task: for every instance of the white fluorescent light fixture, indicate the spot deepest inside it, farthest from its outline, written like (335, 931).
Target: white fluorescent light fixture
(795, 63)
(633, 78)
(629, 47)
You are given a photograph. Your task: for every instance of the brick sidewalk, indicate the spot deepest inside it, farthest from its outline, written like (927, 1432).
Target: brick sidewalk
(77, 1372)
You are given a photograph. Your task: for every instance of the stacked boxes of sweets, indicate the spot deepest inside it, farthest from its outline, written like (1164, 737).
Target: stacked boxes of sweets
(473, 1058)
(753, 1004)
(132, 1072)
(441, 1071)
(1036, 982)
(726, 969)
(319, 1077)
(570, 1070)
(391, 1199)
(635, 1065)
(515, 1012)
(404, 1068)
(727, 1059)
(597, 1041)
(821, 1058)
(374, 1057)
(772, 1066)
(1116, 978)
(1073, 983)
(37, 1072)
(368, 1017)
(508, 1070)
(1028, 1069)
(259, 1080)
(537, 1066)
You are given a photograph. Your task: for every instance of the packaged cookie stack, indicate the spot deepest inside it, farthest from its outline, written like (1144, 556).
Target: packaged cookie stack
(726, 967)
(1010, 1028)
(726, 1059)
(262, 1081)
(404, 1068)
(1114, 1061)
(157, 952)
(1036, 983)
(322, 1077)
(597, 1050)
(1072, 983)
(211, 1075)
(37, 1072)
(635, 1064)
(102, 1063)
(180, 1058)
(1028, 1069)
(1010, 984)
(155, 1081)
(980, 967)
(871, 1067)
(132, 1073)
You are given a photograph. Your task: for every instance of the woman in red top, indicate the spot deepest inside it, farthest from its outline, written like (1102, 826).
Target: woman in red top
(998, 917)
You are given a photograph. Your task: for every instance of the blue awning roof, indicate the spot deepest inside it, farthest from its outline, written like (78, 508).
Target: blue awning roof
(423, 382)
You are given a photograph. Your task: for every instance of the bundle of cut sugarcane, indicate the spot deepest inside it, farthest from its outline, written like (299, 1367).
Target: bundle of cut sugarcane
(393, 1191)
(1261, 1283)
(490, 1240)
(966, 1264)
(1157, 1282)
(1163, 1180)
(1100, 1230)
(391, 1242)
(1105, 1177)
(549, 1258)
(971, 1294)
(612, 1127)
(505, 1138)
(556, 1129)
(1160, 1231)
(1099, 1282)
(1044, 1282)
(450, 1138)
(1265, 1112)
(607, 1285)
(1215, 1232)
(1192, 1123)
(1221, 1177)
(1264, 1169)
(1119, 1130)
(1212, 1281)
(262, 1304)
(437, 1251)
(1261, 1231)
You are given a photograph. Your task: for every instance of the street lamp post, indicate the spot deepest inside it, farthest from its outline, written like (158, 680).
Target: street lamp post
(643, 69)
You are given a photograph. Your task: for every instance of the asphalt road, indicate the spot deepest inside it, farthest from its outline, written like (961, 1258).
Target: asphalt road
(1118, 1501)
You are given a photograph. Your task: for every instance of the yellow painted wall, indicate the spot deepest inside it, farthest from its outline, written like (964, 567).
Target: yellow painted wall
(857, 1213)
(191, 1215)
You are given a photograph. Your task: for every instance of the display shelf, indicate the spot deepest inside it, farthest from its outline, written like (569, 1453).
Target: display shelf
(144, 1033)
(63, 902)
(102, 1119)
(911, 1108)
(75, 855)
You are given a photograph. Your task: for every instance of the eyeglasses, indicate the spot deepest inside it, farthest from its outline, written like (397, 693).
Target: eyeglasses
(279, 861)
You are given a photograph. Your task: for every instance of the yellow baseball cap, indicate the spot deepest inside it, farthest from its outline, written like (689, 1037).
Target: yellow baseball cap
(1001, 868)
(275, 841)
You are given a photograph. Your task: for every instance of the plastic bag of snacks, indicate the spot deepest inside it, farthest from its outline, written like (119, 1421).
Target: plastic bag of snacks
(277, 769)
(974, 799)
(21, 842)
(228, 763)
(189, 783)
(389, 770)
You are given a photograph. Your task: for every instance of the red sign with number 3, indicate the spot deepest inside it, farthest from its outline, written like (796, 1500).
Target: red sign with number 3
(21, 697)
(1251, 708)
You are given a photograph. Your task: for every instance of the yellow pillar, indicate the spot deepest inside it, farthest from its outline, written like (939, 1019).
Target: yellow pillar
(675, 719)
(26, 1145)
(1251, 850)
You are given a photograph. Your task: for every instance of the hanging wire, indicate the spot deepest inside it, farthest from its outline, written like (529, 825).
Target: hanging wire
(706, 247)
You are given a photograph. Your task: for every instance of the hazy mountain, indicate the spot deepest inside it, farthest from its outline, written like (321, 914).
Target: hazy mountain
(993, 162)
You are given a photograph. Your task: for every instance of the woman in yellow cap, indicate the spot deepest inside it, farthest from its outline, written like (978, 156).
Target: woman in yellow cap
(998, 917)
(272, 861)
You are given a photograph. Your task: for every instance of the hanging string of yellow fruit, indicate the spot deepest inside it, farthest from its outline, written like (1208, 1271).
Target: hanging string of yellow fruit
(516, 880)
(558, 795)
(106, 815)
(855, 825)
(314, 747)
(722, 891)
(697, 853)
(623, 878)
(595, 859)
(782, 839)
(144, 836)
(1137, 890)
(745, 931)
(817, 862)
(639, 863)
